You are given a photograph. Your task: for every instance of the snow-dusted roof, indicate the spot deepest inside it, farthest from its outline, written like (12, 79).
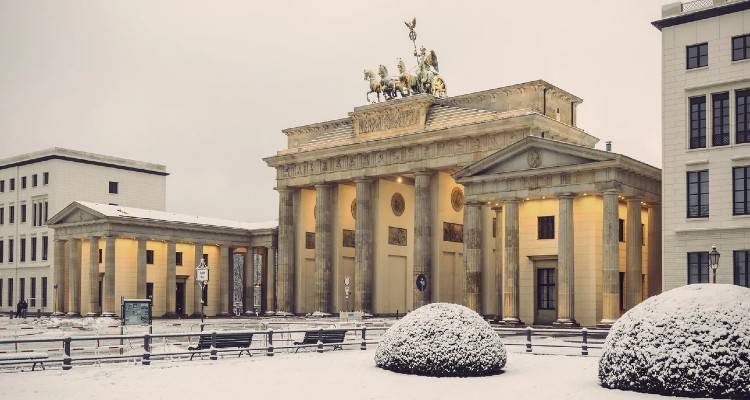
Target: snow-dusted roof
(108, 210)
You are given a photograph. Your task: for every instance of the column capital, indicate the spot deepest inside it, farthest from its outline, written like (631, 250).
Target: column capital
(284, 189)
(364, 179)
(566, 195)
(611, 192)
(511, 200)
(323, 185)
(474, 203)
(423, 172)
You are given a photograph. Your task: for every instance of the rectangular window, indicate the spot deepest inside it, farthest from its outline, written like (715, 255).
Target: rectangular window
(697, 267)
(740, 47)
(643, 234)
(22, 250)
(546, 227)
(2, 251)
(33, 248)
(23, 182)
(2, 215)
(45, 247)
(11, 248)
(149, 290)
(44, 291)
(113, 187)
(34, 180)
(742, 268)
(545, 278)
(720, 126)
(698, 122)
(10, 291)
(178, 258)
(46, 211)
(2, 186)
(1, 292)
(621, 230)
(742, 106)
(23, 213)
(11, 214)
(741, 189)
(697, 55)
(45, 178)
(697, 194)
(100, 256)
(33, 214)
(22, 288)
(32, 290)
(149, 257)
(12, 184)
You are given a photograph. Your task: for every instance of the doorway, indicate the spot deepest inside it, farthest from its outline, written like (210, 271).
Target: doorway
(180, 299)
(546, 294)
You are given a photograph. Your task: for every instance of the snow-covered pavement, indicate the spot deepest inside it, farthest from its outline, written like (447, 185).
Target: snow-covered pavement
(333, 375)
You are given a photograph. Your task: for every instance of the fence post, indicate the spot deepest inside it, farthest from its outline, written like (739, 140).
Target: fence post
(67, 361)
(363, 346)
(269, 351)
(213, 355)
(585, 342)
(320, 340)
(528, 339)
(146, 350)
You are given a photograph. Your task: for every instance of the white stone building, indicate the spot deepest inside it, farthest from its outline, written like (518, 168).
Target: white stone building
(35, 186)
(705, 140)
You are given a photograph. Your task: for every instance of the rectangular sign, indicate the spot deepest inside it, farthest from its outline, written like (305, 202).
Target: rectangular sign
(136, 312)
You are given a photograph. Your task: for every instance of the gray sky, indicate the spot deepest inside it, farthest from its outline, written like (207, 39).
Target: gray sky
(206, 87)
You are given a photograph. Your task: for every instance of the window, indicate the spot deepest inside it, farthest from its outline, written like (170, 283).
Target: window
(742, 268)
(546, 227)
(697, 55)
(149, 290)
(22, 288)
(11, 214)
(33, 214)
(2, 186)
(33, 248)
(740, 47)
(545, 278)
(23, 213)
(697, 194)
(23, 182)
(10, 291)
(34, 180)
(2, 251)
(44, 291)
(697, 267)
(22, 250)
(178, 258)
(2, 215)
(698, 122)
(621, 230)
(100, 256)
(10, 250)
(46, 211)
(741, 188)
(12, 184)
(720, 126)
(32, 290)
(1, 292)
(742, 106)
(643, 234)
(113, 187)
(45, 247)
(149, 257)
(45, 178)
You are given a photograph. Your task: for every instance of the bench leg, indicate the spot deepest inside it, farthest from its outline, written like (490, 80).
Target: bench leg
(191, 356)
(42, 364)
(33, 366)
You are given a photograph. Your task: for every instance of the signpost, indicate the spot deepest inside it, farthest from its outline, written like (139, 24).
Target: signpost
(347, 291)
(201, 278)
(136, 312)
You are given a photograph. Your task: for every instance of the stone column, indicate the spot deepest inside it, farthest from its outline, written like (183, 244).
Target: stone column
(269, 260)
(511, 292)
(654, 249)
(171, 280)
(74, 278)
(197, 294)
(565, 263)
(225, 277)
(140, 270)
(422, 236)
(610, 258)
(108, 286)
(363, 247)
(473, 254)
(93, 277)
(249, 278)
(59, 285)
(634, 252)
(324, 202)
(499, 260)
(285, 283)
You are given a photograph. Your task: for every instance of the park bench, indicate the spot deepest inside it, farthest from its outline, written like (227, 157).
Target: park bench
(330, 336)
(241, 341)
(31, 357)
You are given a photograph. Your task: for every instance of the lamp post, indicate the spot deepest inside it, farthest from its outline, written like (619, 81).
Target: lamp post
(713, 259)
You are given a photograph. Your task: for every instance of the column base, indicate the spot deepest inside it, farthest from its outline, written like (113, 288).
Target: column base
(170, 315)
(91, 315)
(565, 323)
(249, 314)
(320, 314)
(108, 314)
(73, 315)
(511, 322)
(58, 314)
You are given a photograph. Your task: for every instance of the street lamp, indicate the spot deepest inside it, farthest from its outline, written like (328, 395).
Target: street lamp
(713, 259)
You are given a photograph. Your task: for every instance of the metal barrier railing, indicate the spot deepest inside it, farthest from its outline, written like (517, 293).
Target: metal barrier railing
(586, 335)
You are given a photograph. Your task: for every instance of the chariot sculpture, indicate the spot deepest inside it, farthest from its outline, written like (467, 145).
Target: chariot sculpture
(425, 78)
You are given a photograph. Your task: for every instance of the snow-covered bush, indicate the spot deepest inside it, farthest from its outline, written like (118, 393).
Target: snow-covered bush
(441, 339)
(689, 341)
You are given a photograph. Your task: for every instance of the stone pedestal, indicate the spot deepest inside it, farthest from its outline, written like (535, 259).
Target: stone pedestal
(422, 237)
(363, 247)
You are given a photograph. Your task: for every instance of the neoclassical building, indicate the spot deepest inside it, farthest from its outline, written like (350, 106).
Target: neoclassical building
(494, 199)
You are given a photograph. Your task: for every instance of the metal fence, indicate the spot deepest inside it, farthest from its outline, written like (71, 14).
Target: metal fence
(589, 338)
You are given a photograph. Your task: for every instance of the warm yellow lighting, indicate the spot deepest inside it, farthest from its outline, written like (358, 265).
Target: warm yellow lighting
(585, 194)
(399, 179)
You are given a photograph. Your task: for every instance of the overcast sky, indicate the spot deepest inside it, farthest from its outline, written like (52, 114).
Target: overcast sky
(206, 87)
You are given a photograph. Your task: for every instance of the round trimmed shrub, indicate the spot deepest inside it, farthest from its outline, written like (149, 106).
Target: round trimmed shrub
(441, 339)
(690, 341)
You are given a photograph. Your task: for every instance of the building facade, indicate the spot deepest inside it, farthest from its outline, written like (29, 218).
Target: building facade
(706, 140)
(34, 187)
(104, 253)
(473, 199)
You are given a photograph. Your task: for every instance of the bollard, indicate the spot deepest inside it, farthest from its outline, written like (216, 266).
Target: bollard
(585, 342)
(320, 340)
(67, 360)
(269, 351)
(528, 340)
(363, 346)
(146, 350)
(213, 355)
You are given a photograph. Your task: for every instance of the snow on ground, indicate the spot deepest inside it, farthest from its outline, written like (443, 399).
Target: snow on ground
(344, 374)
